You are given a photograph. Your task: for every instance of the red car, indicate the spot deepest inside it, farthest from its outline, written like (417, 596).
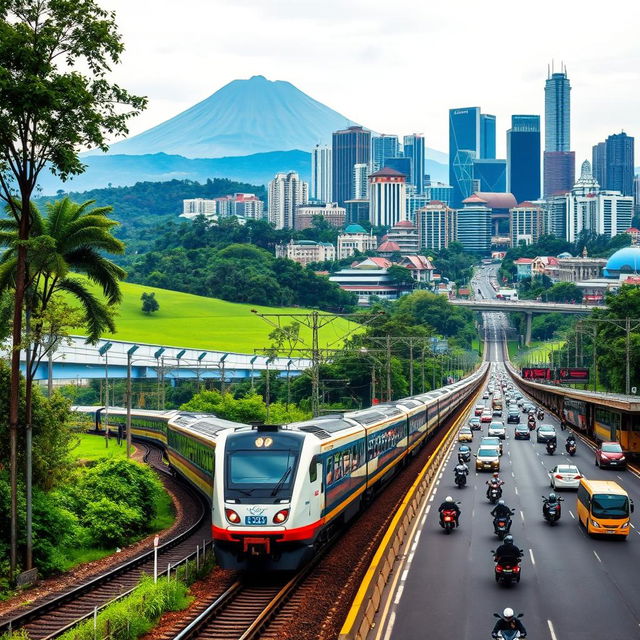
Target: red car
(486, 416)
(610, 454)
(479, 409)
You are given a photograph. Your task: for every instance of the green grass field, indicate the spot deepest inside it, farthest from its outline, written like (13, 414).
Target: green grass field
(185, 320)
(92, 447)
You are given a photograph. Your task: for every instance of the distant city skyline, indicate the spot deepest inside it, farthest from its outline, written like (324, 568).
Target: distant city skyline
(171, 57)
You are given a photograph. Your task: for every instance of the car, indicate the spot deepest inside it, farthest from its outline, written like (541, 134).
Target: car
(497, 413)
(564, 476)
(474, 423)
(527, 406)
(479, 409)
(610, 454)
(545, 432)
(496, 430)
(465, 435)
(520, 402)
(487, 459)
(486, 416)
(485, 395)
(464, 450)
(522, 432)
(513, 416)
(492, 441)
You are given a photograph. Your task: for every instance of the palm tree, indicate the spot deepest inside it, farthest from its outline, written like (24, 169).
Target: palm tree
(71, 239)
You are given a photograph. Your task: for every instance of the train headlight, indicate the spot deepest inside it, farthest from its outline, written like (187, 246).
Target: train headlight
(232, 516)
(281, 516)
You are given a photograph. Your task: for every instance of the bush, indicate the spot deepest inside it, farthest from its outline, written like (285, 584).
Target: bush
(111, 524)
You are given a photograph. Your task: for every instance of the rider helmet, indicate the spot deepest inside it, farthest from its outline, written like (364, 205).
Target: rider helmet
(448, 499)
(508, 539)
(501, 502)
(496, 474)
(508, 613)
(552, 497)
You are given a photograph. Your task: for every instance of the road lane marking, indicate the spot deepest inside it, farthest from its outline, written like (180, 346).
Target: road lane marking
(597, 556)
(516, 490)
(522, 516)
(552, 631)
(426, 510)
(399, 594)
(571, 514)
(533, 560)
(392, 620)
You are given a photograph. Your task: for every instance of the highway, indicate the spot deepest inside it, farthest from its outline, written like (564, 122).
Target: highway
(573, 587)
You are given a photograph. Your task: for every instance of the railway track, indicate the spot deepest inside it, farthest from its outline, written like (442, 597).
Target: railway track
(51, 615)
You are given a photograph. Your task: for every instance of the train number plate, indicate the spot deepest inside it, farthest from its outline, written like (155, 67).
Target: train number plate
(255, 520)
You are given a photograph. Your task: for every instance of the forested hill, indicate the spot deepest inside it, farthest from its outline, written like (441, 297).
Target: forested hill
(146, 206)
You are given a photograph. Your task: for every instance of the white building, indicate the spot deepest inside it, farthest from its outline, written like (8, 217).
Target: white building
(387, 197)
(367, 278)
(334, 215)
(286, 193)
(241, 205)
(355, 239)
(195, 207)
(437, 225)
(321, 168)
(306, 251)
(526, 223)
(361, 181)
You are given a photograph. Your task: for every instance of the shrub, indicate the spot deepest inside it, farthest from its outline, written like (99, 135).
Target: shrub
(110, 524)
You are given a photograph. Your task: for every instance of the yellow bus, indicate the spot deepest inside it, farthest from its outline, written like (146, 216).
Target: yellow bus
(604, 507)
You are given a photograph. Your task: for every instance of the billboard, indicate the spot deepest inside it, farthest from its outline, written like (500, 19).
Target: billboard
(536, 373)
(572, 374)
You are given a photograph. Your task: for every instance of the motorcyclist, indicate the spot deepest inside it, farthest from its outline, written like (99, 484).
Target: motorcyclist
(450, 504)
(494, 481)
(501, 511)
(552, 443)
(507, 552)
(508, 622)
(461, 467)
(552, 500)
(571, 439)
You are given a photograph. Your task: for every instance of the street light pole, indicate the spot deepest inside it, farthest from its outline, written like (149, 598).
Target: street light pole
(104, 351)
(130, 353)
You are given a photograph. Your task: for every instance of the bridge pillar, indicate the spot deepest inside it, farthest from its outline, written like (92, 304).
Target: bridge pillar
(527, 335)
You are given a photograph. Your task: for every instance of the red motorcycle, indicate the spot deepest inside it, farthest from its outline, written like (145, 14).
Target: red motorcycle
(448, 520)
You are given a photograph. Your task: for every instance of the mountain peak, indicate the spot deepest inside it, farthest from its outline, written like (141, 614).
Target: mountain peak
(243, 117)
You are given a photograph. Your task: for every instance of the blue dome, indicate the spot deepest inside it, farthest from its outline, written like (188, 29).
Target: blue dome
(354, 228)
(625, 260)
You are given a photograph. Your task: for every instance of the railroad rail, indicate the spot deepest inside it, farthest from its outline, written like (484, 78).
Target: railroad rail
(52, 615)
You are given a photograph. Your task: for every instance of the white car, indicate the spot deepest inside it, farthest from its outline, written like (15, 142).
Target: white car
(497, 430)
(565, 476)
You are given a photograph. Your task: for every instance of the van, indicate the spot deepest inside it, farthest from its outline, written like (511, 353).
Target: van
(604, 507)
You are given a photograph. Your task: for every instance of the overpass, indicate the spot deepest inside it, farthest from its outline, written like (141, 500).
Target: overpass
(76, 360)
(528, 307)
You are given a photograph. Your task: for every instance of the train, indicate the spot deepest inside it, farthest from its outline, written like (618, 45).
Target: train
(279, 492)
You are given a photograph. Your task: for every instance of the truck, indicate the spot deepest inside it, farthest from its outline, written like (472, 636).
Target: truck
(507, 294)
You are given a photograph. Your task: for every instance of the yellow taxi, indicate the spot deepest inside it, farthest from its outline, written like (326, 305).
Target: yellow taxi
(465, 435)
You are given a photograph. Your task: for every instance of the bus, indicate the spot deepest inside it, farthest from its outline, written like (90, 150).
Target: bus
(604, 507)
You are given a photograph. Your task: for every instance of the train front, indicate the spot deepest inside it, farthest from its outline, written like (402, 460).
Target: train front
(267, 501)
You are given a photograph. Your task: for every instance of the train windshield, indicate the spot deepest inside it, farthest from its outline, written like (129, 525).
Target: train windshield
(249, 470)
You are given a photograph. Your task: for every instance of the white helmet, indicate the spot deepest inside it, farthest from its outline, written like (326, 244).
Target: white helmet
(508, 613)
(448, 499)
(500, 501)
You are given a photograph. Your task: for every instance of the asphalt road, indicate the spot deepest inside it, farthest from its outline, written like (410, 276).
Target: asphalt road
(573, 587)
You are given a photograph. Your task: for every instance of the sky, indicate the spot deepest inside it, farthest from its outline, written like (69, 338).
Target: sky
(393, 66)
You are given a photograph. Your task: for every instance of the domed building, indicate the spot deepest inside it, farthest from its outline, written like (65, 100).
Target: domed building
(354, 239)
(623, 263)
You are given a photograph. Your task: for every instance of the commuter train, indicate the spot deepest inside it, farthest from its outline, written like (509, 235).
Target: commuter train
(279, 491)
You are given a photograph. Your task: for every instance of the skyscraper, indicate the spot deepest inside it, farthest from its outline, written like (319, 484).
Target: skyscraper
(599, 162)
(559, 160)
(471, 135)
(360, 181)
(523, 157)
(321, 173)
(414, 149)
(474, 225)
(286, 193)
(490, 175)
(437, 225)
(387, 195)
(401, 164)
(619, 171)
(351, 146)
(636, 183)
(382, 147)
(526, 223)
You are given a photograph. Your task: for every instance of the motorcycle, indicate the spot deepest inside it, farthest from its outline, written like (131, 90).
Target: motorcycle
(531, 423)
(540, 414)
(502, 526)
(508, 634)
(494, 493)
(551, 447)
(506, 572)
(571, 448)
(448, 520)
(461, 479)
(551, 511)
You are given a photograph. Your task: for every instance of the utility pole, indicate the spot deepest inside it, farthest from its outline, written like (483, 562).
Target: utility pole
(130, 353)
(104, 351)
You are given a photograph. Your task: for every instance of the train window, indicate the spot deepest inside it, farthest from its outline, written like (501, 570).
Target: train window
(346, 463)
(313, 469)
(329, 474)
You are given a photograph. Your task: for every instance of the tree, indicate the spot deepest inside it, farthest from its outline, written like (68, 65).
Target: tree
(50, 107)
(400, 276)
(149, 303)
(564, 292)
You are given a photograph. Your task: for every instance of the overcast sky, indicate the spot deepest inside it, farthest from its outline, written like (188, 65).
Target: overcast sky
(395, 66)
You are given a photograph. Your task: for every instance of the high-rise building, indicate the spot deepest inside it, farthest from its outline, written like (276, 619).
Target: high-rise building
(382, 147)
(286, 193)
(357, 211)
(402, 164)
(335, 216)
(557, 112)
(527, 223)
(404, 234)
(194, 207)
(351, 146)
(487, 136)
(387, 195)
(490, 175)
(321, 173)
(415, 201)
(440, 192)
(620, 170)
(523, 157)
(599, 162)
(636, 183)
(414, 149)
(361, 173)
(437, 225)
(556, 216)
(474, 225)
(559, 172)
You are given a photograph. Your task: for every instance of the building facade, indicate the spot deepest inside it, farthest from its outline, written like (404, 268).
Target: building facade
(557, 112)
(636, 188)
(405, 235)
(368, 278)
(599, 162)
(437, 225)
(286, 193)
(402, 164)
(194, 207)
(387, 197)
(350, 146)
(474, 225)
(490, 175)
(440, 192)
(354, 239)
(620, 161)
(487, 136)
(526, 223)
(413, 147)
(383, 147)
(361, 173)
(357, 211)
(464, 147)
(523, 158)
(559, 172)
(321, 173)
(414, 202)
(334, 215)
(306, 251)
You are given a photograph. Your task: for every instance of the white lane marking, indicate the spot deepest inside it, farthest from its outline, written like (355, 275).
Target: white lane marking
(405, 573)
(427, 509)
(433, 495)
(437, 483)
(533, 560)
(516, 490)
(392, 620)
(597, 556)
(542, 463)
(399, 594)
(522, 516)
(617, 476)
(513, 474)
(571, 514)
(552, 631)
